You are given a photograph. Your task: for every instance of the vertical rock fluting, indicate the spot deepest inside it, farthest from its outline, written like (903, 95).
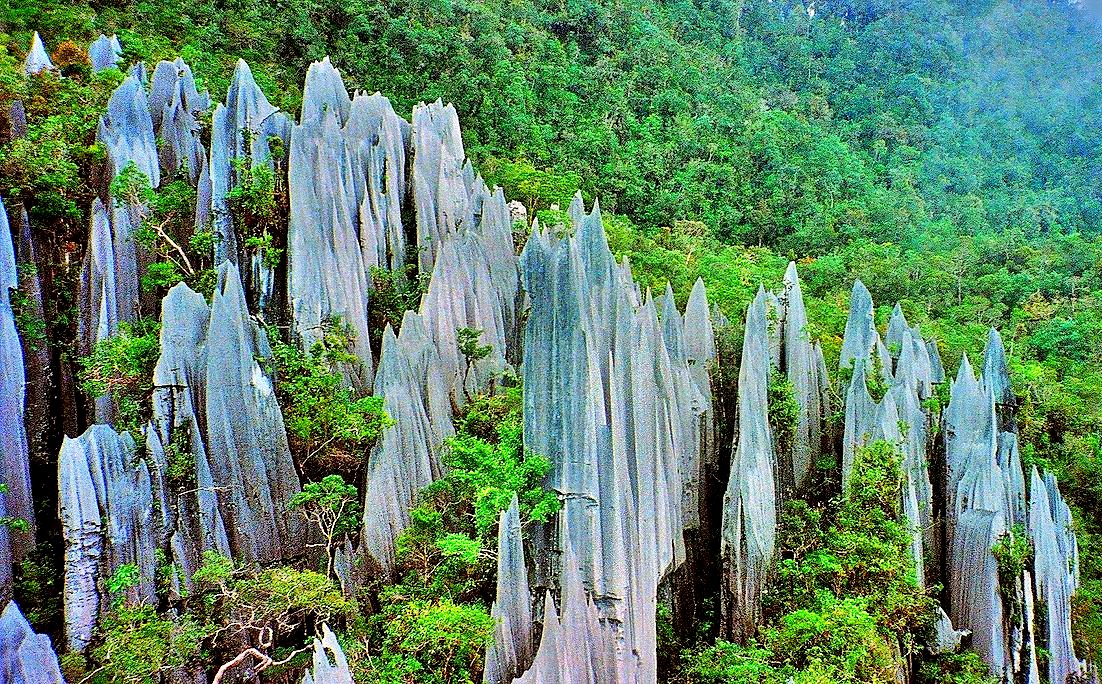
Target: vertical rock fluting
(241, 138)
(106, 506)
(15, 471)
(249, 458)
(750, 504)
(441, 179)
(986, 503)
(174, 104)
(109, 283)
(615, 414)
(25, 657)
(511, 651)
(407, 455)
(329, 664)
(346, 183)
(800, 364)
(104, 52)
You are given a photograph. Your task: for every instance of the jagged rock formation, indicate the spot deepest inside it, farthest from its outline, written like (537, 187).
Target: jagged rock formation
(109, 292)
(474, 285)
(174, 104)
(801, 362)
(213, 400)
(25, 657)
(407, 455)
(617, 395)
(441, 179)
(615, 413)
(329, 663)
(750, 504)
(38, 60)
(14, 456)
(700, 355)
(511, 651)
(104, 52)
(106, 506)
(986, 500)
(347, 184)
(577, 646)
(241, 136)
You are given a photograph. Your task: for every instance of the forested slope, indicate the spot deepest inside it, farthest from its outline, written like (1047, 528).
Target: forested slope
(945, 154)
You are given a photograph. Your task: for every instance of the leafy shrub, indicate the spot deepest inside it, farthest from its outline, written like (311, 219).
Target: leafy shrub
(431, 641)
(121, 367)
(325, 420)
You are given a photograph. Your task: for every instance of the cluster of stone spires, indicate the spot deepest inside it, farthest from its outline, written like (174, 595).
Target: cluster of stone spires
(618, 396)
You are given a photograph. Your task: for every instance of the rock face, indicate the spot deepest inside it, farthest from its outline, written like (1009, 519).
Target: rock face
(750, 504)
(511, 651)
(105, 52)
(347, 186)
(615, 413)
(441, 179)
(14, 455)
(38, 60)
(214, 401)
(329, 664)
(986, 500)
(577, 646)
(407, 455)
(109, 285)
(25, 657)
(106, 505)
(241, 134)
(801, 365)
(174, 103)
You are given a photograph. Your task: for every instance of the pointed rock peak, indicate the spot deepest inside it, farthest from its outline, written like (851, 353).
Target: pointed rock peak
(698, 296)
(577, 208)
(24, 655)
(244, 86)
(104, 52)
(9, 277)
(330, 666)
(860, 337)
(965, 372)
(790, 273)
(996, 372)
(38, 60)
(324, 94)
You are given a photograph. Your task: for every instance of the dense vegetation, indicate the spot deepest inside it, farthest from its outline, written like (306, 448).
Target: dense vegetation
(943, 152)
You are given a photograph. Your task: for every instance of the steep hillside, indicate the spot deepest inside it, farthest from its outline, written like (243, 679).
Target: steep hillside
(312, 354)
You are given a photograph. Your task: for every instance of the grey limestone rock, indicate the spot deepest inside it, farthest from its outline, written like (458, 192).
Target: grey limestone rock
(801, 367)
(105, 52)
(750, 506)
(407, 456)
(974, 586)
(347, 185)
(937, 370)
(860, 336)
(38, 60)
(441, 179)
(1056, 573)
(329, 665)
(241, 129)
(14, 455)
(174, 103)
(511, 651)
(613, 405)
(249, 457)
(996, 374)
(106, 505)
(25, 657)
